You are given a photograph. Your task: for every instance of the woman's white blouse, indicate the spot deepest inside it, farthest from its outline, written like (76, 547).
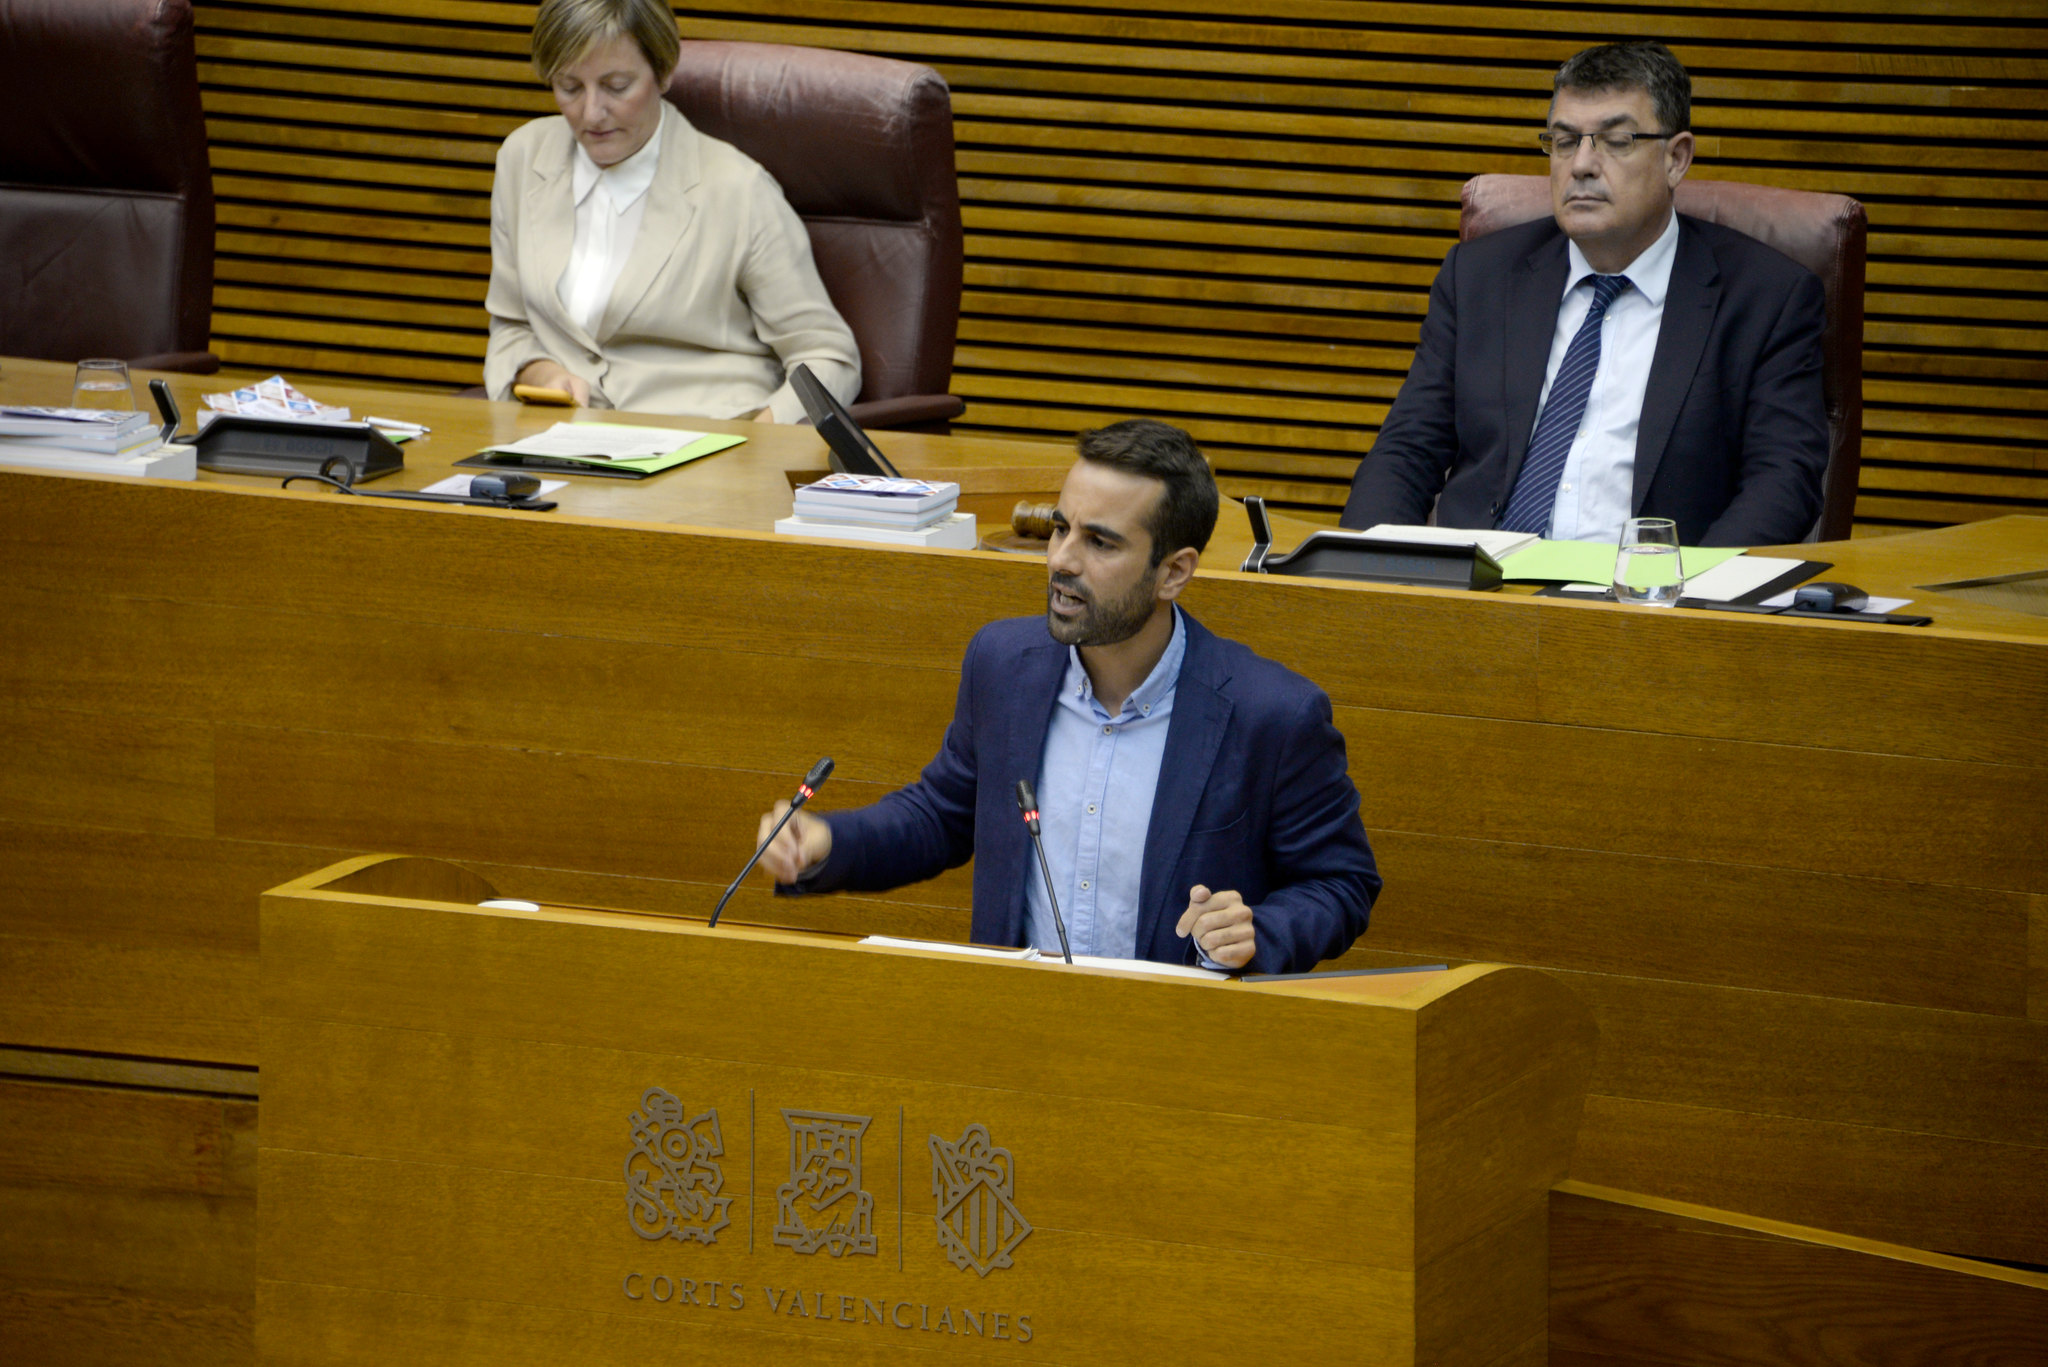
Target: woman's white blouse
(609, 205)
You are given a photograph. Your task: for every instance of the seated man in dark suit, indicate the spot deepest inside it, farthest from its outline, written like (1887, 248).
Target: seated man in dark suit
(1195, 801)
(1619, 360)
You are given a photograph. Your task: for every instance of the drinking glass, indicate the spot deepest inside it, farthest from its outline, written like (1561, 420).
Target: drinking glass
(103, 384)
(1647, 569)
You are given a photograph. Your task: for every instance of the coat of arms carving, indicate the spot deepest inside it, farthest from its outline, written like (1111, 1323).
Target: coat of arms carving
(672, 1182)
(974, 1183)
(822, 1205)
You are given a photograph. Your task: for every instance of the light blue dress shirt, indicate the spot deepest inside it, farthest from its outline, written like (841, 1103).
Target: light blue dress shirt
(1596, 492)
(1096, 780)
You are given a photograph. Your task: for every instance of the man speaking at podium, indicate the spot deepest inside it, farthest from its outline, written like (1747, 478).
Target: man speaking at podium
(1194, 797)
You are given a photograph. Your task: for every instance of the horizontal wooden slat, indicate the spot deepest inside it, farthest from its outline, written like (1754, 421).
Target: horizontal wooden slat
(130, 1218)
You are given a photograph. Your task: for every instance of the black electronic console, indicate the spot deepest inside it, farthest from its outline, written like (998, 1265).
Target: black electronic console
(852, 452)
(1330, 554)
(232, 444)
(235, 445)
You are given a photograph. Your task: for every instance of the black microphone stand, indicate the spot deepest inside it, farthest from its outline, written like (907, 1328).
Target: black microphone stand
(805, 791)
(1027, 803)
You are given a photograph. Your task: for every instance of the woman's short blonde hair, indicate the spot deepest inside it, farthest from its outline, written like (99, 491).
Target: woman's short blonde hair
(566, 29)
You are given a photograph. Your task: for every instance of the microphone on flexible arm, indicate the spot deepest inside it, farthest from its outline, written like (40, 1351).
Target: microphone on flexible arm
(1027, 803)
(805, 791)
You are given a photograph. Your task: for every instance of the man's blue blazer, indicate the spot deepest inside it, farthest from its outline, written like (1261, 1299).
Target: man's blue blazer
(1253, 797)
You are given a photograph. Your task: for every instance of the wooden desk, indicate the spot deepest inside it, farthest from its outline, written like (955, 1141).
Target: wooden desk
(1001, 1157)
(1795, 868)
(745, 489)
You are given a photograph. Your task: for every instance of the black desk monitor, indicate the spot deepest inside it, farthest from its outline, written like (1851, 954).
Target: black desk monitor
(852, 452)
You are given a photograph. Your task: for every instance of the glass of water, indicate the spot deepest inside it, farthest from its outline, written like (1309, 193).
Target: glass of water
(103, 384)
(1647, 570)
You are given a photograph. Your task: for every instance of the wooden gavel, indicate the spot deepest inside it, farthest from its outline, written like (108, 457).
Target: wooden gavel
(1032, 519)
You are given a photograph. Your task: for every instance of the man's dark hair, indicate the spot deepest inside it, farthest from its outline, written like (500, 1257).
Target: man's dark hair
(1186, 512)
(1641, 65)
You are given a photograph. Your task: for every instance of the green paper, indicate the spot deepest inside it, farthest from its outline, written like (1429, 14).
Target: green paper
(1592, 562)
(710, 444)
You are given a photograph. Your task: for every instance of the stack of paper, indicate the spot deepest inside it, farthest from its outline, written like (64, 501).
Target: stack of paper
(274, 398)
(1030, 955)
(877, 501)
(97, 440)
(615, 445)
(902, 512)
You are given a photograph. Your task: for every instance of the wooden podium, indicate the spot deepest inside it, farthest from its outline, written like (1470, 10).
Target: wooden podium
(573, 1136)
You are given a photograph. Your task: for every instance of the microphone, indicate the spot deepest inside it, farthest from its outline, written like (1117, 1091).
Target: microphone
(805, 791)
(1027, 803)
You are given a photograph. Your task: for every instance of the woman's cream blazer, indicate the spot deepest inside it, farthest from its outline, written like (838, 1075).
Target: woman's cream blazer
(719, 299)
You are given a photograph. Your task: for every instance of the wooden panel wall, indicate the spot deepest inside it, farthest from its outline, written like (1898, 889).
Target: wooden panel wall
(127, 1225)
(1813, 938)
(1639, 1282)
(1225, 214)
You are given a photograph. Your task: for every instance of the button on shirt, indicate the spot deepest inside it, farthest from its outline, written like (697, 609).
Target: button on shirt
(1596, 493)
(1096, 782)
(610, 202)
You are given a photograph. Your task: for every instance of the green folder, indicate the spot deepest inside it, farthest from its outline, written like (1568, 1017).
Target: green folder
(706, 444)
(1592, 562)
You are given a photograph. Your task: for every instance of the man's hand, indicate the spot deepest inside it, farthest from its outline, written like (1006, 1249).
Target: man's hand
(552, 375)
(765, 415)
(803, 843)
(1221, 924)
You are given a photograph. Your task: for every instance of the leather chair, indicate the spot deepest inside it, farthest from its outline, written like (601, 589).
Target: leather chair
(1824, 233)
(106, 195)
(863, 149)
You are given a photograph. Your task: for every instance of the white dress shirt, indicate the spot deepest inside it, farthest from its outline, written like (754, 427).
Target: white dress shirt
(610, 201)
(1596, 493)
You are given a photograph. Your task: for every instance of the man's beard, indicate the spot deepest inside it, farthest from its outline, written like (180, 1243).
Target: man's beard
(1100, 623)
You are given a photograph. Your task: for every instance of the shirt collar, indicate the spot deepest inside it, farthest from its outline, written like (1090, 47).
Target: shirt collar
(1158, 684)
(1649, 274)
(623, 183)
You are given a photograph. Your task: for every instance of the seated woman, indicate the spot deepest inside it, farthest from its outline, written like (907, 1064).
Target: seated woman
(635, 262)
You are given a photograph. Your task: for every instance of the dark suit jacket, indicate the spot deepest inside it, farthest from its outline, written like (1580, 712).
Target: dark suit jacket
(1253, 796)
(1734, 434)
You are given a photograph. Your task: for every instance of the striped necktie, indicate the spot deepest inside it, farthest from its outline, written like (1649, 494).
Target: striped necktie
(1535, 492)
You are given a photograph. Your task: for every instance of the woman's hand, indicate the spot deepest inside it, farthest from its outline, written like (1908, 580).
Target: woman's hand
(546, 374)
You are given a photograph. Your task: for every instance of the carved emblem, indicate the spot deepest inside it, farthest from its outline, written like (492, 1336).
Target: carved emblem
(672, 1184)
(822, 1204)
(974, 1183)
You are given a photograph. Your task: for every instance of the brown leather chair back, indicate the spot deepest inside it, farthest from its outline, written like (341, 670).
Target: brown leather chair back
(106, 196)
(863, 148)
(1824, 233)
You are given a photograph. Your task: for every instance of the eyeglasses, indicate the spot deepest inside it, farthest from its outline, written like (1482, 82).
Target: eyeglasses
(1618, 145)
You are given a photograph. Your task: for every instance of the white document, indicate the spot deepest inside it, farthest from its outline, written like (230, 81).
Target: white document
(1736, 576)
(607, 440)
(1138, 966)
(1875, 605)
(1499, 545)
(1030, 955)
(275, 398)
(459, 484)
(948, 947)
